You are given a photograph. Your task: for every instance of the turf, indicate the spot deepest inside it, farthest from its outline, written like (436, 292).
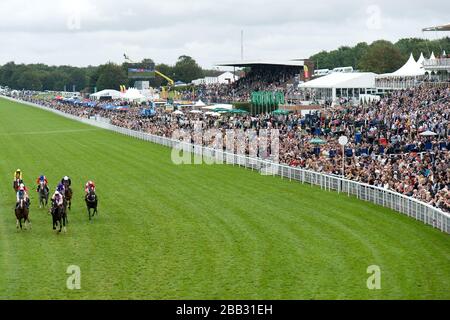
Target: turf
(196, 231)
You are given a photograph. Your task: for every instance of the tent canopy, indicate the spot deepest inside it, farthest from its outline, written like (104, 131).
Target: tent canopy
(133, 94)
(421, 59)
(199, 103)
(410, 69)
(343, 80)
(114, 94)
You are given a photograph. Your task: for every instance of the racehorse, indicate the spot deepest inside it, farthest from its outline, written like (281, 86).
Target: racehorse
(91, 203)
(22, 212)
(59, 217)
(43, 194)
(68, 197)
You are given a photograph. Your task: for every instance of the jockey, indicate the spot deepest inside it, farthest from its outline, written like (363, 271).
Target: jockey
(89, 185)
(57, 197)
(43, 179)
(22, 194)
(66, 181)
(61, 189)
(18, 176)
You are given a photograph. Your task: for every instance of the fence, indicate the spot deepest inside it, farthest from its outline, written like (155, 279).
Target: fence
(411, 207)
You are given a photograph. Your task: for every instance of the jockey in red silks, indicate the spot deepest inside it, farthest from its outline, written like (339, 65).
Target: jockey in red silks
(42, 180)
(89, 185)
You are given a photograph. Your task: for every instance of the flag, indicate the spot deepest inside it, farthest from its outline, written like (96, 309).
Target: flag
(306, 71)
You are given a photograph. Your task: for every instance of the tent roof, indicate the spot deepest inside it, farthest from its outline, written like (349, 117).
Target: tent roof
(133, 94)
(199, 103)
(410, 69)
(223, 106)
(421, 59)
(107, 93)
(343, 80)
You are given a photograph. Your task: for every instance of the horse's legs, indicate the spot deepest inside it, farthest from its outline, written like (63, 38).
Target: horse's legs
(54, 221)
(17, 224)
(64, 222)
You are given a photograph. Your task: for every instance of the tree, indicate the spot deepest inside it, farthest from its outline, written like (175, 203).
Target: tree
(186, 69)
(110, 76)
(31, 80)
(6, 74)
(381, 57)
(60, 80)
(78, 78)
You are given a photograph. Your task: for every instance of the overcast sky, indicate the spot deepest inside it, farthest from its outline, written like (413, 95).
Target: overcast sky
(84, 32)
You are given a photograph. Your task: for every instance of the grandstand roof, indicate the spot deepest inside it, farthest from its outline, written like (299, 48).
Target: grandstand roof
(249, 63)
(445, 27)
(343, 80)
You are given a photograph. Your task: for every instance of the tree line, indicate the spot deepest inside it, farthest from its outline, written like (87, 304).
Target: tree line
(42, 77)
(381, 56)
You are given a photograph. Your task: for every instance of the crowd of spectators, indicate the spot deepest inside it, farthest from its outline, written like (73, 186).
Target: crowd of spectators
(265, 78)
(386, 146)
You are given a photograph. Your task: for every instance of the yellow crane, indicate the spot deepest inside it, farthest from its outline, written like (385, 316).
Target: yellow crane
(162, 75)
(170, 81)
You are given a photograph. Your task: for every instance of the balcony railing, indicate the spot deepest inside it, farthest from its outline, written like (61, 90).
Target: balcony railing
(437, 63)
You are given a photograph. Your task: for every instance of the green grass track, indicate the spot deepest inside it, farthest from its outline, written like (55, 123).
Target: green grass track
(196, 231)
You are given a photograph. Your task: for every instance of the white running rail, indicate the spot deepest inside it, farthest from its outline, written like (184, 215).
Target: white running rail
(411, 207)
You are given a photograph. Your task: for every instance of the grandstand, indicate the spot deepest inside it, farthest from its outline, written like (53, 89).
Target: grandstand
(268, 75)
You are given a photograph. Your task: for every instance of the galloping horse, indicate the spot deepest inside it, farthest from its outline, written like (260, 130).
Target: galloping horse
(43, 194)
(22, 212)
(59, 216)
(91, 202)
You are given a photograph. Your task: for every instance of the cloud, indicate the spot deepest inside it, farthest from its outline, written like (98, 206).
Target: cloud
(87, 32)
